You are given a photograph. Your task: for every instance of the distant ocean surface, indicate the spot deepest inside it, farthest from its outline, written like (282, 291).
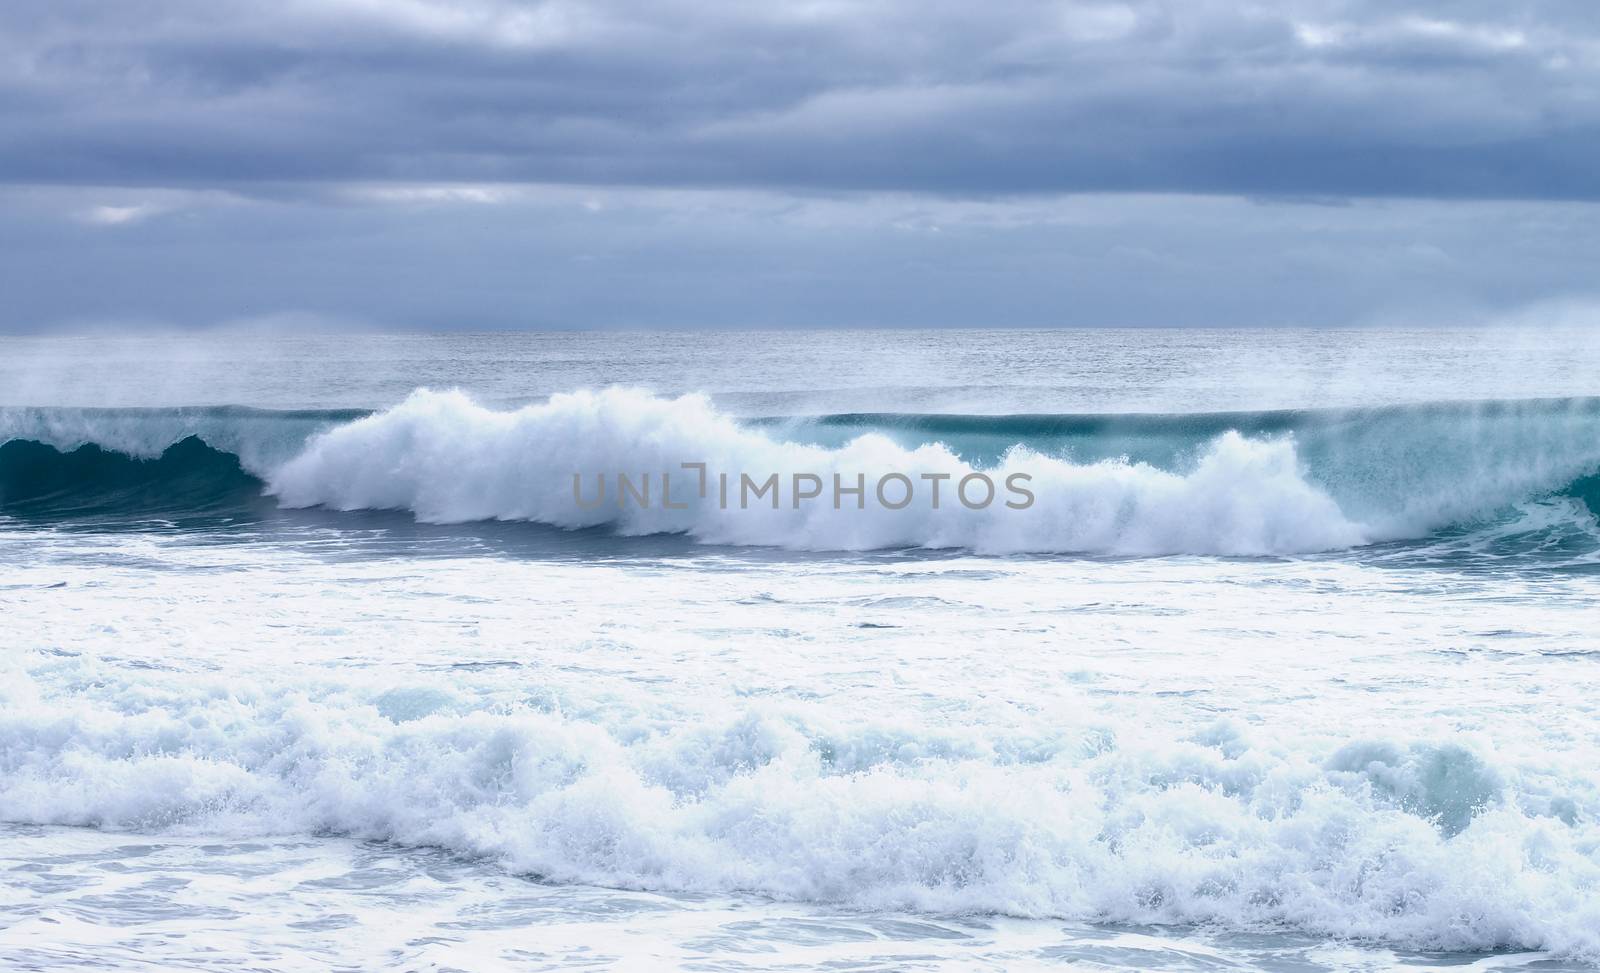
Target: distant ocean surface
(313, 660)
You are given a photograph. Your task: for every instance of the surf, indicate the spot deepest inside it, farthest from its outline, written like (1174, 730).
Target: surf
(1281, 482)
(1405, 840)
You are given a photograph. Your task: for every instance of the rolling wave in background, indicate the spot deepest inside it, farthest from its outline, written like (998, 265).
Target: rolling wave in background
(1253, 483)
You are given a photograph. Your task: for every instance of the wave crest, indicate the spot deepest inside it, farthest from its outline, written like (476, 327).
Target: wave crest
(1472, 475)
(449, 460)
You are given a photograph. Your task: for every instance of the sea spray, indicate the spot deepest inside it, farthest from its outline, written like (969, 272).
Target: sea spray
(1234, 483)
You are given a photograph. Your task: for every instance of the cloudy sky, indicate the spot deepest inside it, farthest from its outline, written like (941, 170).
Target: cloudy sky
(673, 163)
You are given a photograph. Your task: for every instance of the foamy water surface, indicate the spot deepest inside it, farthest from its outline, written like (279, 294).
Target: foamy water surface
(364, 689)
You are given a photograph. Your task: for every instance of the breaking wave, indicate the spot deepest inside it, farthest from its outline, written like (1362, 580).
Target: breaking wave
(1425, 843)
(1230, 484)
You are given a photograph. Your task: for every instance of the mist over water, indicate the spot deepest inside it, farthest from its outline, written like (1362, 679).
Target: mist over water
(1286, 667)
(786, 373)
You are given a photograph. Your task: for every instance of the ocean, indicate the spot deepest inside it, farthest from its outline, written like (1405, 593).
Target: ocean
(321, 653)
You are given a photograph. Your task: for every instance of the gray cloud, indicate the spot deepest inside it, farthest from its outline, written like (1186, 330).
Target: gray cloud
(1449, 98)
(480, 257)
(627, 163)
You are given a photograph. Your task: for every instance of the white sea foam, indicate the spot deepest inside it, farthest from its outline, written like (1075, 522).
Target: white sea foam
(1407, 841)
(449, 460)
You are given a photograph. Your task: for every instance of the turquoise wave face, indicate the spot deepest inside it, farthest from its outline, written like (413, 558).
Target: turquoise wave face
(1501, 476)
(1375, 462)
(1168, 438)
(188, 480)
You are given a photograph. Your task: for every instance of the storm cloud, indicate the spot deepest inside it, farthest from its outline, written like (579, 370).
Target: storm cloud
(459, 163)
(1319, 97)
